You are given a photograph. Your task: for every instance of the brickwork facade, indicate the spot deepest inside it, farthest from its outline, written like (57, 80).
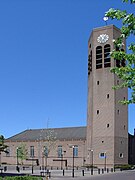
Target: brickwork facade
(107, 119)
(54, 159)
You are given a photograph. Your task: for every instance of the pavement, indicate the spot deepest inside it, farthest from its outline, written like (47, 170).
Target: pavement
(54, 174)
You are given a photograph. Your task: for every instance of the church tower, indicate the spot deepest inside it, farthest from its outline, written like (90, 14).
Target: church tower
(107, 119)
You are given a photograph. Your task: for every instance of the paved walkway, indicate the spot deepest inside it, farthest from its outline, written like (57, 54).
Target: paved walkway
(60, 173)
(57, 174)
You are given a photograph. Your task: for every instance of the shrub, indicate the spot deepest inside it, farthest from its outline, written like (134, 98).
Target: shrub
(124, 167)
(89, 166)
(22, 178)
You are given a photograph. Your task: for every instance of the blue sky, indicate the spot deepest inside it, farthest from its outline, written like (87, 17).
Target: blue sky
(43, 61)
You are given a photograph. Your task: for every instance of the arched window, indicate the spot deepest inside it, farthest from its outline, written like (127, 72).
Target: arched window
(75, 151)
(122, 62)
(90, 62)
(59, 151)
(107, 58)
(98, 57)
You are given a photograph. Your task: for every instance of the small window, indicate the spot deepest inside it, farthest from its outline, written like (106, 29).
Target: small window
(102, 141)
(59, 151)
(118, 82)
(124, 98)
(75, 151)
(124, 127)
(107, 96)
(120, 155)
(102, 155)
(97, 82)
(107, 125)
(46, 151)
(118, 111)
(31, 151)
(97, 111)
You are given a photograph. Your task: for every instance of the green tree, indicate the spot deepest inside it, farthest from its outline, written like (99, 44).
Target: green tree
(50, 143)
(22, 152)
(127, 72)
(3, 147)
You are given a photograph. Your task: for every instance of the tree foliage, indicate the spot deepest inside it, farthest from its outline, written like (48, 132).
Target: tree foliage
(49, 144)
(3, 147)
(50, 141)
(126, 73)
(22, 152)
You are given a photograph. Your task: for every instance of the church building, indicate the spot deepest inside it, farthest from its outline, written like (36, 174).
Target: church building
(103, 142)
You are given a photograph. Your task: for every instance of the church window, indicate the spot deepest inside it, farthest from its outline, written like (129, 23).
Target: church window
(31, 151)
(123, 61)
(107, 58)
(107, 96)
(59, 151)
(120, 155)
(97, 82)
(120, 62)
(46, 151)
(107, 125)
(98, 57)
(118, 82)
(102, 155)
(97, 111)
(90, 63)
(75, 150)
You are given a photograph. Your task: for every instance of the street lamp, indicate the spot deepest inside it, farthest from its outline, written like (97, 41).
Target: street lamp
(105, 161)
(17, 162)
(73, 147)
(92, 161)
(73, 161)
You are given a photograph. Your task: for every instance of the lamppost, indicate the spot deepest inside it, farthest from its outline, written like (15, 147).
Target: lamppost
(43, 160)
(32, 164)
(73, 161)
(105, 161)
(17, 162)
(92, 161)
(91, 155)
(73, 156)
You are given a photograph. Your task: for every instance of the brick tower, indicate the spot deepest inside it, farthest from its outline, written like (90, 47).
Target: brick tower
(107, 119)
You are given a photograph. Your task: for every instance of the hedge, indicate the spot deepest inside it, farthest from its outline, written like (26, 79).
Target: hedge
(22, 178)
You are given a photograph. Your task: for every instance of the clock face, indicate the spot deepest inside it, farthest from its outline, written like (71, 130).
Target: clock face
(102, 38)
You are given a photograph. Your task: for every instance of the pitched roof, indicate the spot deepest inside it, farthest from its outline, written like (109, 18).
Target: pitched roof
(68, 133)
